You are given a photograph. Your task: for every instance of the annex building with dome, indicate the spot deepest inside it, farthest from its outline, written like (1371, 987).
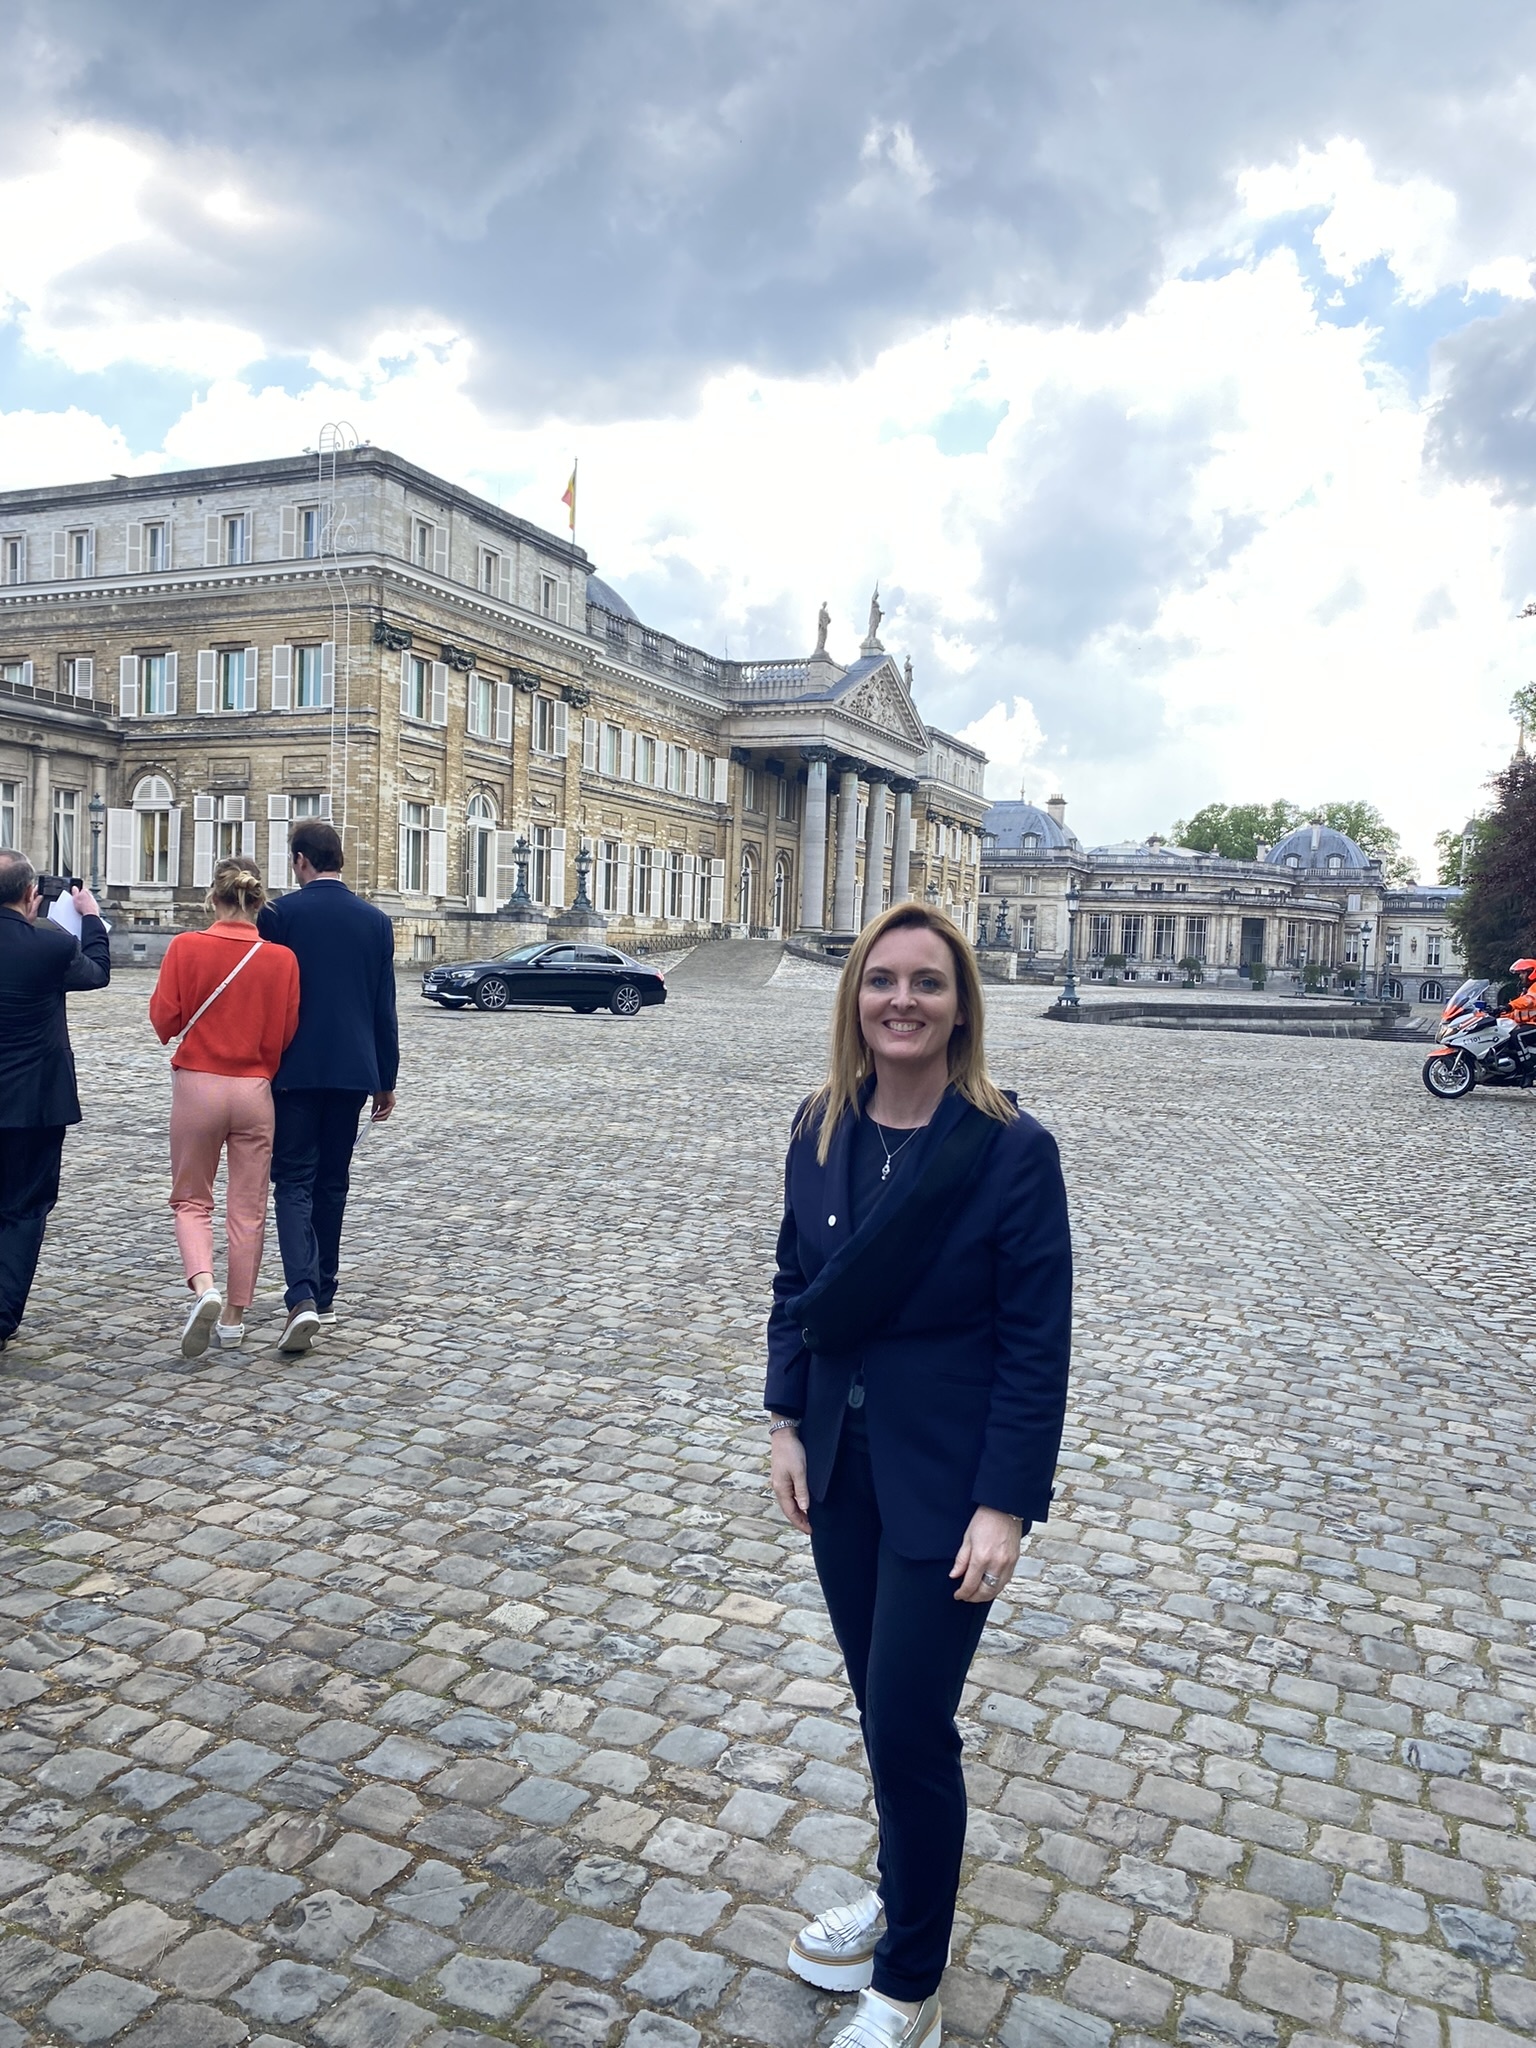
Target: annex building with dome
(1314, 909)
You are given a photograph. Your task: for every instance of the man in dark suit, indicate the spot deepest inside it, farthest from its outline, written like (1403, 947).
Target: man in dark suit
(39, 963)
(347, 1047)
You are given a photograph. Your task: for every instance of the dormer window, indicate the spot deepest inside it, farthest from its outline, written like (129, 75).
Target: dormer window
(1293, 860)
(1030, 842)
(1335, 861)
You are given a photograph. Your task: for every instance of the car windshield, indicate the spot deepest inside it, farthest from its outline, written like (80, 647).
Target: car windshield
(524, 953)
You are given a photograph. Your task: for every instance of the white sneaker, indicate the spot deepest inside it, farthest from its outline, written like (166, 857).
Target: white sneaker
(300, 1332)
(836, 1952)
(201, 1317)
(878, 2025)
(228, 1336)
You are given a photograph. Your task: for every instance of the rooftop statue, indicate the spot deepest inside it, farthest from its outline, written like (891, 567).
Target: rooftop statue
(823, 622)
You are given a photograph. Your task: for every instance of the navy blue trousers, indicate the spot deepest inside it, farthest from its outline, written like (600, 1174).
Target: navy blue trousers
(29, 1187)
(907, 1643)
(314, 1130)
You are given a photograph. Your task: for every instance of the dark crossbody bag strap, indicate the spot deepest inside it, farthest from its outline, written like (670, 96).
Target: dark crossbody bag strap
(864, 1286)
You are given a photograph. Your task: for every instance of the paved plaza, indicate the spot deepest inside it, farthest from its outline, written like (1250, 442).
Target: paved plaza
(459, 1684)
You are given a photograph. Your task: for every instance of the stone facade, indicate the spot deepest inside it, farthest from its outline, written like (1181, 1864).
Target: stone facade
(1315, 901)
(217, 652)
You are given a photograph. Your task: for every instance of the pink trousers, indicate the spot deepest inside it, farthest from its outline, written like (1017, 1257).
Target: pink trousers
(211, 1113)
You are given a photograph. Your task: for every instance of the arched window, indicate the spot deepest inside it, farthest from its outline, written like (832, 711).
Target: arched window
(480, 852)
(1030, 842)
(781, 895)
(155, 836)
(1292, 860)
(746, 888)
(1335, 861)
(1431, 992)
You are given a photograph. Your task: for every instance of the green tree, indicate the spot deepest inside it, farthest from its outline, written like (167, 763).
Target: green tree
(1452, 858)
(1234, 830)
(1522, 707)
(1495, 920)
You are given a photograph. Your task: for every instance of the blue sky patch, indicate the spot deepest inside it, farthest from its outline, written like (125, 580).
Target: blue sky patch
(143, 403)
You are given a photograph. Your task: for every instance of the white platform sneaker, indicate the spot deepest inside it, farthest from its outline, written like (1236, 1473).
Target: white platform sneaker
(878, 2025)
(836, 1952)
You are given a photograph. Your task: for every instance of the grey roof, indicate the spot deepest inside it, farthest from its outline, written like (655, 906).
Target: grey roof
(1313, 846)
(604, 594)
(1011, 823)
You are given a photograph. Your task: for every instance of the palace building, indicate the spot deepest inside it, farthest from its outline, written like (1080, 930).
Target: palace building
(1312, 909)
(191, 661)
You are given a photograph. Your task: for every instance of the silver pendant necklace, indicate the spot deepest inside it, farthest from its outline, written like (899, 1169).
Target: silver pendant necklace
(885, 1171)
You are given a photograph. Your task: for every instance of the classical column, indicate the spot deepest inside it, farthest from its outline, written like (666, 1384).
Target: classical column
(901, 844)
(813, 841)
(846, 880)
(41, 828)
(874, 849)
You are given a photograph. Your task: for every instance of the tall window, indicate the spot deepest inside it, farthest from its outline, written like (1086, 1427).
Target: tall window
(1194, 937)
(311, 532)
(1098, 935)
(1394, 957)
(1432, 945)
(1162, 938)
(555, 599)
(676, 899)
(786, 799)
(233, 681)
(66, 831)
(417, 697)
(750, 799)
(413, 848)
(152, 812)
(82, 551)
(481, 702)
(423, 534)
(550, 728)
(1130, 937)
(237, 537)
(645, 759)
(613, 749)
(10, 793)
(1027, 934)
(481, 862)
(608, 874)
(155, 685)
(677, 769)
(308, 678)
(645, 882)
(13, 558)
(490, 571)
(156, 545)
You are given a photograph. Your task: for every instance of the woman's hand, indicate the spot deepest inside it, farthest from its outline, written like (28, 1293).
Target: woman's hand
(786, 1469)
(985, 1560)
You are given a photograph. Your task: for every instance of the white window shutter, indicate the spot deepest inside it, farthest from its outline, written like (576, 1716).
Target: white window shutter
(85, 676)
(325, 805)
(690, 887)
(90, 552)
(663, 755)
(279, 875)
(170, 687)
(282, 681)
(562, 723)
(439, 558)
(504, 582)
(27, 673)
(721, 791)
(173, 846)
(562, 602)
(402, 868)
(213, 540)
(557, 866)
(717, 892)
(439, 714)
(288, 533)
(133, 551)
(233, 810)
(60, 557)
(405, 683)
(691, 773)
(621, 905)
(248, 681)
(127, 685)
(248, 838)
(589, 738)
(120, 845)
(505, 859)
(627, 755)
(504, 716)
(207, 679)
(327, 674)
(437, 850)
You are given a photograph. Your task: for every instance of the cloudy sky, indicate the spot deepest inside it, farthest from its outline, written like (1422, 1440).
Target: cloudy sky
(1171, 367)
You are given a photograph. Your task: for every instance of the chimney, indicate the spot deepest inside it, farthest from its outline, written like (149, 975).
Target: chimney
(1058, 810)
(1261, 849)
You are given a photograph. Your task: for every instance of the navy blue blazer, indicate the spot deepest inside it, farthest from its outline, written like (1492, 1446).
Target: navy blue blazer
(348, 1035)
(39, 964)
(966, 1391)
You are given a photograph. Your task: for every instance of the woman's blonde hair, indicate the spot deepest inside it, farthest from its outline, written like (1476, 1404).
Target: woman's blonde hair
(851, 1060)
(236, 886)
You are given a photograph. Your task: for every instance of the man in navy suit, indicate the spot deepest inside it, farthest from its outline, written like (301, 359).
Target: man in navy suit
(347, 1047)
(39, 964)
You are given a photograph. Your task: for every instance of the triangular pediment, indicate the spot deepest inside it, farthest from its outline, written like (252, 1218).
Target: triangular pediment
(873, 690)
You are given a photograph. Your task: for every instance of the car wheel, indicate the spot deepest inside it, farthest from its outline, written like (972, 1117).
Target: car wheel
(625, 1000)
(492, 994)
(583, 1009)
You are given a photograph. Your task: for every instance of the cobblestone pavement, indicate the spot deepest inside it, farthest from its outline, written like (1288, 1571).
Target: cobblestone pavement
(457, 1683)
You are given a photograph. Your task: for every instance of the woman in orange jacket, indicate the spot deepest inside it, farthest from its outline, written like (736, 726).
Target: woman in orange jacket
(234, 1000)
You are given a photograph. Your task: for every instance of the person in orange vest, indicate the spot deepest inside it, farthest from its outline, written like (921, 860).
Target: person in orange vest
(1522, 1004)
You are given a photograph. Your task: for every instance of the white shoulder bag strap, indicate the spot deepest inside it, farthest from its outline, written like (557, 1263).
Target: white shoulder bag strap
(207, 1004)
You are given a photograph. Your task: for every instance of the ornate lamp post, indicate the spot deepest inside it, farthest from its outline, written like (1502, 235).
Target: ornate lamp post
(520, 904)
(1364, 935)
(1068, 997)
(581, 900)
(98, 811)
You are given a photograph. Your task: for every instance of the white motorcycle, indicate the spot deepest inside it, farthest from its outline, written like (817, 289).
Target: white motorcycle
(1478, 1047)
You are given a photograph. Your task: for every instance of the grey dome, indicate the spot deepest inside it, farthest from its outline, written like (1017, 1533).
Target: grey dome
(604, 594)
(1314, 846)
(1010, 824)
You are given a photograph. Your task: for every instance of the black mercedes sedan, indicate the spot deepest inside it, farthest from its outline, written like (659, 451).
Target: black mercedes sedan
(583, 978)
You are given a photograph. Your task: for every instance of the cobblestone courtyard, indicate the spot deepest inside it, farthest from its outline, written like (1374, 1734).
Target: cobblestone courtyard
(458, 1683)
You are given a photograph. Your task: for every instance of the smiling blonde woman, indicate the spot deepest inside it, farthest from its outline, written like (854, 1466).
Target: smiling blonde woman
(917, 1376)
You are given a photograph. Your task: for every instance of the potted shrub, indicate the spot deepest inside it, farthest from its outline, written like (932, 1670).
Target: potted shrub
(1193, 970)
(1312, 977)
(1258, 974)
(1113, 962)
